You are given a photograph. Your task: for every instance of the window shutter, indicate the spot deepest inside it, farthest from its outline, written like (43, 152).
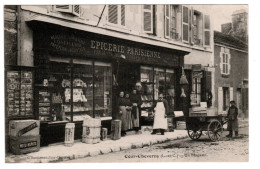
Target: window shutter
(192, 26)
(221, 62)
(76, 10)
(220, 100)
(206, 41)
(167, 21)
(113, 14)
(185, 24)
(229, 65)
(63, 8)
(231, 94)
(147, 19)
(123, 15)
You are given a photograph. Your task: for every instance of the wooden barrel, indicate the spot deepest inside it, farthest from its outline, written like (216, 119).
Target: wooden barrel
(103, 134)
(69, 134)
(91, 131)
(116, 129)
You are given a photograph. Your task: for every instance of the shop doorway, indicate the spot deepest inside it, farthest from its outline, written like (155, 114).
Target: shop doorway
(128, 75)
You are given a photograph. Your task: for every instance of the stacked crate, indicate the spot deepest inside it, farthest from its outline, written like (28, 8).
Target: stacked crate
(198, 111)
(24, 136)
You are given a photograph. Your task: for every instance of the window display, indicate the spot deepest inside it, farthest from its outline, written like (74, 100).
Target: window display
(170, 88)
(159, 82)
(102, 89)
(196, 88)
(19, 93)
(147, 89)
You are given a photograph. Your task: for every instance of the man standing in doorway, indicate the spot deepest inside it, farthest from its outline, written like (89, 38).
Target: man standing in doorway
(160, 120)
(232, 119)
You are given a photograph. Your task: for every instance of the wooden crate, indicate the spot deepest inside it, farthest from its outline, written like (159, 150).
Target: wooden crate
(180, 125)
(19, 128)
(24, 144)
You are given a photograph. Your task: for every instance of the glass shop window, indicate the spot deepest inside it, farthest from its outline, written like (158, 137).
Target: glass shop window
(170, 88)
(159, 82)
(196, 88)
(82, 89)
(147, 86)
(103, 89)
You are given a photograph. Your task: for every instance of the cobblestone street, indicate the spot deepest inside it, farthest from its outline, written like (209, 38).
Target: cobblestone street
(225, 150)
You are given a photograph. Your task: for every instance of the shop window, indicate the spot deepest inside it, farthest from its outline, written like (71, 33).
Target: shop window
(225, 61)
(149, 19)
(86, 94)
(196, 88)
(170, 22)
(116, 14)
(102, 90)
(170, 88)
(159, 82)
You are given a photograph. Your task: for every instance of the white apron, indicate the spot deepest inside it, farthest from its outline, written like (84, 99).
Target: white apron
(160, 122)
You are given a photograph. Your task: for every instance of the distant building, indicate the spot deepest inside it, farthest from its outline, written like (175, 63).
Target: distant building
(239, 26)
(231, 73)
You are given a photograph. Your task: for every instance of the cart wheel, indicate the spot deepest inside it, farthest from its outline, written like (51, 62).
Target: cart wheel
(194, 134)
(215, 130)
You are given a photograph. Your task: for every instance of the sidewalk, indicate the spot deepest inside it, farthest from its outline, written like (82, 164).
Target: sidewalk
(57, 153)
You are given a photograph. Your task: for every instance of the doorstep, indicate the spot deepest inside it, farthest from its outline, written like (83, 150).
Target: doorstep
(59, 152)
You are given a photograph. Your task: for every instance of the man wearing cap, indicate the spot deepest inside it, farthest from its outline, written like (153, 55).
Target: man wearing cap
(232, 119)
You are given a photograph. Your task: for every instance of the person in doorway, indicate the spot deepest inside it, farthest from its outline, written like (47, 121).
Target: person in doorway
(232, 119)
(128, 117)
(161, 111)
(136, 103)
(122, 112)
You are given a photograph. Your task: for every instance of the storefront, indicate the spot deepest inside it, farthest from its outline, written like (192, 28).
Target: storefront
(80, 74)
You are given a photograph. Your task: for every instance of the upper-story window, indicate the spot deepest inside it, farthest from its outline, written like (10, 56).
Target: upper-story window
(196, 27)
(170, 21)
(72, 9)
(116, 14)
(185, 24)
(149, 19)
(225, 61)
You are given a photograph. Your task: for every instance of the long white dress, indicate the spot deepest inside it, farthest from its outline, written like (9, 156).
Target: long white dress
(160, 122)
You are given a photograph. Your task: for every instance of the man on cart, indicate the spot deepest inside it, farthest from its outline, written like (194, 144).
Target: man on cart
(232, 119)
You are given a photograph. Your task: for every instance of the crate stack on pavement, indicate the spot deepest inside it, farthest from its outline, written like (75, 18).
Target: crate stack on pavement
(24, 136)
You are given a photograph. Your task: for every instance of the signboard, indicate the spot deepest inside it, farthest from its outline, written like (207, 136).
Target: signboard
(91, 46)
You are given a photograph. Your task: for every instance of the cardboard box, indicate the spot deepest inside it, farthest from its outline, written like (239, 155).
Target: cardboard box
(24, 144)
(18, 128)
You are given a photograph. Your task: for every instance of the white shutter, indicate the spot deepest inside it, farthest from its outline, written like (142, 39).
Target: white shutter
(220, 100)
(192, 26)
(123, 15)
(221, 62)
(167, 21)
(63, 8)
(76, 10)
(206, 34)
(148, 18)
(229, 65)
(185, 24)
(113, 14)
(231, 94)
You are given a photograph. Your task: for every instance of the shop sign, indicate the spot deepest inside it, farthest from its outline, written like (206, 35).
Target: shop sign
(28, 145)
(73, 45)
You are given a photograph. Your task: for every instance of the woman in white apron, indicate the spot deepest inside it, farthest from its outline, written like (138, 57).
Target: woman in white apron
(160, 120)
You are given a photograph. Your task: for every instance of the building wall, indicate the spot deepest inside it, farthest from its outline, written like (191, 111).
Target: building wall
(238, 71)
(10, 35)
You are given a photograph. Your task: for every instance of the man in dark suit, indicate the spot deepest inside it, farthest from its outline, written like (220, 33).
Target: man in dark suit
(232, 119)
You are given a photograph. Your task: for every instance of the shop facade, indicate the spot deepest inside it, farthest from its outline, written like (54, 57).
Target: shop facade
(79, 74)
